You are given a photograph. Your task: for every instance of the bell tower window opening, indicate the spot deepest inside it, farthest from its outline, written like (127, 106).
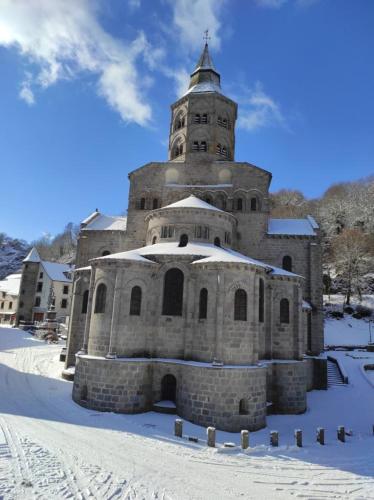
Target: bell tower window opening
(197, 118)
(254, 204)
(179, 122)
(177, 150)
(203, 146)
(217, 241)
(239, 204)
(195, 146)
(142, 204)
(287, 263)
(155, 203)
(204, 118)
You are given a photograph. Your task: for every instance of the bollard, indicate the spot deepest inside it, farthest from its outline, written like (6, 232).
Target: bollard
(178, 428)
(321, 435)
(211, 433)
(274, 438)
(299, 437)
(341, 433)
(244, 439)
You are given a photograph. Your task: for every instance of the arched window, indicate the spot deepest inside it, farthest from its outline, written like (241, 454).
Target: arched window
(179, 122)
(155, 203)
(177, 150)
(173, 293)
(169, 388)
(203, 146)
(135, 301)
(239, 204)
(203, 303)
(254, 204)
(204, 118)
(197, 118)
(218, 149)
(100, 298)
(261, 301)
(142, 203)
(183, 240)
(217, 241)
(154, 239)
(106, 252)
(85, 302)
(195, 146)
(287, 263)
(284, 311)
(240, 305)
(243, 407)
(208, 199)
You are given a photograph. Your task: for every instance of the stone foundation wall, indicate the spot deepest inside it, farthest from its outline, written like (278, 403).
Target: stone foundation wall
(287, 386)
(205, 395)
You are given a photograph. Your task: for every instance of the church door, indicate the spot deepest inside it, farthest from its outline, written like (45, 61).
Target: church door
(169, 388)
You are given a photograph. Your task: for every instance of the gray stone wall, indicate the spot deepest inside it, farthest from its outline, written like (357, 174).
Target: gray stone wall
(287, 386)
(30, 274)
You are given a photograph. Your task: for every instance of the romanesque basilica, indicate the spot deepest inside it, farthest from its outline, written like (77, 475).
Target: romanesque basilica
(198, 301)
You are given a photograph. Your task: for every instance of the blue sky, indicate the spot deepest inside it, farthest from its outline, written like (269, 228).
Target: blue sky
(86, 86)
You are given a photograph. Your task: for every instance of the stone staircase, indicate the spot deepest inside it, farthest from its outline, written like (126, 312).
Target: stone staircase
(334, 377)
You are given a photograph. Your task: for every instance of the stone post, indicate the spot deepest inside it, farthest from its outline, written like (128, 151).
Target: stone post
(321, 435)
(274, 438)
(115, 313)
(341, 433)
(178, 428)
(298, 438)
(244, 439)
(89, 311)
(211, 433)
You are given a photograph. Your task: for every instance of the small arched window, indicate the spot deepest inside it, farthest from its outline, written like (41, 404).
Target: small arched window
(85, 302)
(142, 203)
(284, 311)
(243, 407)
(204, 118)
(183, 240)
(197, 118)
(239, 204)
(100, 298)
(203, 146)
(173, 293)
(135, 301)
(218, 149)
(261, 301)
(240, 305)
(254, 204)
(106, 252)
(217, 241)
(287, 263)
(154, 239)
(203, 303)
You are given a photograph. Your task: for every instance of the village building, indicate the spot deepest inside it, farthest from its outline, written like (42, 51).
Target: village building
(9, 292)
(44, 285)
(199, 297)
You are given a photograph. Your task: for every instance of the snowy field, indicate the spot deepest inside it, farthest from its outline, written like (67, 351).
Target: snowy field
(348, 331)
(51, 448)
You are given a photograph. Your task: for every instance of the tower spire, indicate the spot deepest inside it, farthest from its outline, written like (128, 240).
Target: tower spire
(205, 77)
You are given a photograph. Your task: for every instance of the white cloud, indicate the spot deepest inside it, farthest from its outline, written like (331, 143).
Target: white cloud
(276, 4)
(257, 110)
(273, 4)
(62, 38)
(192, 17)
(134, 4)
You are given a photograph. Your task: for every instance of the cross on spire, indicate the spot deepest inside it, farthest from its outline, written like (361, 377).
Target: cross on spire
(206, 36)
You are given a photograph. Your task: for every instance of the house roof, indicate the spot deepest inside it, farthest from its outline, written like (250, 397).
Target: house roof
(11, 284)
(296, 227)
(192, 202)
(57, 271)
(204, 253)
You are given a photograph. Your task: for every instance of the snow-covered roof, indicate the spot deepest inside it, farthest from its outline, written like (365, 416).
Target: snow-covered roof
(33, 256)
(205, 253)
(204, 87)
(298, 227)
(192, 202)
(105, 223)
(57, 271)
(11, 284)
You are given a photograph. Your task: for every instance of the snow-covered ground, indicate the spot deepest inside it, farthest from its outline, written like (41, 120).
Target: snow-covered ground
(348, 331)
(51, 448)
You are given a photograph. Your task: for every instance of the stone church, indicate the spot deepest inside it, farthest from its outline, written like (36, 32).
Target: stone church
(198, 297)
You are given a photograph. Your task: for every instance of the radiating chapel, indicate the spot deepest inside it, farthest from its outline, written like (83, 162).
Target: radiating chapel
(198, 298)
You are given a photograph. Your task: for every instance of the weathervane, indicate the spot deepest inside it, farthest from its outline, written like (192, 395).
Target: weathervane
(206, 36)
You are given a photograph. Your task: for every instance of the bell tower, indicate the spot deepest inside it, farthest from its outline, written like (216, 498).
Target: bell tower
(203, 120)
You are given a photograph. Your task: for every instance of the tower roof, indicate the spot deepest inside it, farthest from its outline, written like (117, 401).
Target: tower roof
(204, 78)
(32, 256)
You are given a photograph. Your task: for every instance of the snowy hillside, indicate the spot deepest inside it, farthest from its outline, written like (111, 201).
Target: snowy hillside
(12, 253)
